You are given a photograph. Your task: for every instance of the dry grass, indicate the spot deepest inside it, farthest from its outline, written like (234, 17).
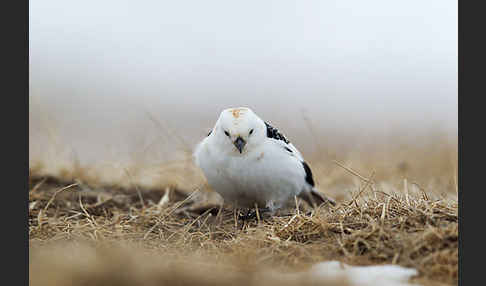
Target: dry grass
(86, 231)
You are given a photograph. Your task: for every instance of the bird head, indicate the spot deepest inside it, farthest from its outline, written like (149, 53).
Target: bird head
(238, 130)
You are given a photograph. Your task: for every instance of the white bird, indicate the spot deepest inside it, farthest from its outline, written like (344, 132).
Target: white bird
(248, 162)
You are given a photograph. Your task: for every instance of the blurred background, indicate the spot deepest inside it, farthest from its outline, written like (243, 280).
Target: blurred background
(122, 91)
(141, 82)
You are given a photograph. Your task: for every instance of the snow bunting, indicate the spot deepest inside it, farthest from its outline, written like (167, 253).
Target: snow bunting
(248, 161)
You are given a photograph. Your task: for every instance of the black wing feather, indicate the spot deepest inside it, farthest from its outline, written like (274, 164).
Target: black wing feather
(308, 174)
(273, 133)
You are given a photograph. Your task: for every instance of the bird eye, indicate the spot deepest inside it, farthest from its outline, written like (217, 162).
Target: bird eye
(251, 131)
(227, 133)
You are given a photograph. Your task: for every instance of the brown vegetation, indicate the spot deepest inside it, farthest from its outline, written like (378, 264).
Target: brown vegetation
(396, 206)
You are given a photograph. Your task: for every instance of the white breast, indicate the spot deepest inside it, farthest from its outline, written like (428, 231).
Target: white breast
(268, 175)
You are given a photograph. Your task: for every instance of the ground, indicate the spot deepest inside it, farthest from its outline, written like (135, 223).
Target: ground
(394, 207)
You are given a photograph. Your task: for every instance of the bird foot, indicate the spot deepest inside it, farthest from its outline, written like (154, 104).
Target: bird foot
(252, 214)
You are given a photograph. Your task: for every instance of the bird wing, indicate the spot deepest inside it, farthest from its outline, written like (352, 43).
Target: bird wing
(279, 138)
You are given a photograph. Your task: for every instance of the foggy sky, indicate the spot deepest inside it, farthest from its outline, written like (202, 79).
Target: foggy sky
(98, 67)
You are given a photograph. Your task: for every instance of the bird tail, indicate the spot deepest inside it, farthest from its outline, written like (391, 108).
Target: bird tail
(316, 198)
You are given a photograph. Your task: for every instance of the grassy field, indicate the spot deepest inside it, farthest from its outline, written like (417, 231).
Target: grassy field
(397, 204)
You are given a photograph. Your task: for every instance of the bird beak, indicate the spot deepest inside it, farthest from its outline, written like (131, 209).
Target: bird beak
(239, 143)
